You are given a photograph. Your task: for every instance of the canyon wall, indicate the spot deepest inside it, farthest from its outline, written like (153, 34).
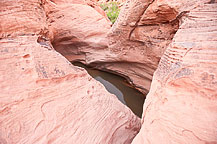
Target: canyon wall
(181, 107)
(132, 48)
(138, 39)
(44, 98)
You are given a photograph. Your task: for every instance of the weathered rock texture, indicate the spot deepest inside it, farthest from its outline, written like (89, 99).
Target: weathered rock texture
(181, 107)
(138, 40)
(135, 43)
(44, 99)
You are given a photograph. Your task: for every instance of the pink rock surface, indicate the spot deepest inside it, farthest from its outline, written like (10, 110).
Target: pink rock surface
(134, 45)
(134, 48)
(91, 3)
(77, 28)
(131, 48)
(181, 106)
(21, 17)
(44, 98)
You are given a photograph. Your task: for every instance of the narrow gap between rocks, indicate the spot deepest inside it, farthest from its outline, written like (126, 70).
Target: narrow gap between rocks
(118, 86)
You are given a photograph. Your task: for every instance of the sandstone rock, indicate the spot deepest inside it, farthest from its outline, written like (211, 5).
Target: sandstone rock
(132, 48)
(139, 38)
(44, 99)
(58, 2)
(181, 106)
(135, 44)
(135, 48)
(91, 3)
(21, 17)
(77, 29)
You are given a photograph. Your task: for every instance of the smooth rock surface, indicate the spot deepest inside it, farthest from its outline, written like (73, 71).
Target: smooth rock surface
(181, 107)
(44, 99)
(77, 28)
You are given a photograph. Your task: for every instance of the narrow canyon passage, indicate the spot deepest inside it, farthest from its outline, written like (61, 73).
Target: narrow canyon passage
(165, 49)
(118, 86)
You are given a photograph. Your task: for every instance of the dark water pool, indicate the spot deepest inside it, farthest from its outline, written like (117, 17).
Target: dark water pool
(118, 86)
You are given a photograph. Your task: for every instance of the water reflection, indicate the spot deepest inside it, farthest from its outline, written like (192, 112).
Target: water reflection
(111, 88)
(118, 86)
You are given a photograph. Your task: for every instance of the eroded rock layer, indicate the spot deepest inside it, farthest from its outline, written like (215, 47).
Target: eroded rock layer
(139, 38)
(44, 99)
(133, 46)
(181, 106)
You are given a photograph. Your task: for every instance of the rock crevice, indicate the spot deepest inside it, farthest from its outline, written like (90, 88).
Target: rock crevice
(44, 98)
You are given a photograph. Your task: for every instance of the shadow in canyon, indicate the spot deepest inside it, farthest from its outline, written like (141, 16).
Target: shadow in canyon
(118, 86)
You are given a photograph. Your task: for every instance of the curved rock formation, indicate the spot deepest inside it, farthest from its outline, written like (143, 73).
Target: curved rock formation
(132, 47)
(138, 39)
(44, 99)
(181, 106)
(135, 43)
(77, 28)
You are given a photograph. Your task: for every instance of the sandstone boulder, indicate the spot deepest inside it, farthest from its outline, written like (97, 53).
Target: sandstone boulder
(77, 29)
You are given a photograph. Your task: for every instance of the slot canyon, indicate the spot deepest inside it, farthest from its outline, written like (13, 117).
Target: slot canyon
(69, 75)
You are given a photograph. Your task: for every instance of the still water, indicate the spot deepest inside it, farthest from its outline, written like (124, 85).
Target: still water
(118, 86)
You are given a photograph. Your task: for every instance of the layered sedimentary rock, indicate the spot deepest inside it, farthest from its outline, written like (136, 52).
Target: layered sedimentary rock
(21, 18)
(44, 99)
(181, 106)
